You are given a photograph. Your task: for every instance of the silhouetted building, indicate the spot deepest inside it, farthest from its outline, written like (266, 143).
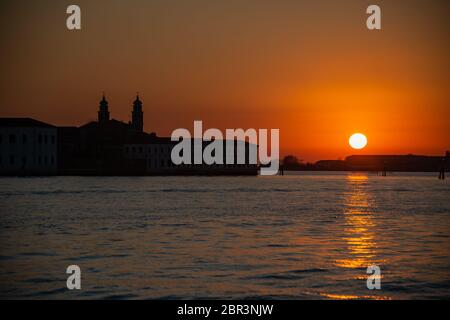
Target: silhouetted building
(156, 152)
(27, 146)
(412, 163)
(383, 163)
(68, 148)
(137, 116)
(103, 112)
(96, 148)
(113, 147)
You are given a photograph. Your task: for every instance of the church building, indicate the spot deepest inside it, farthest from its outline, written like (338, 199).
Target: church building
(103, 147)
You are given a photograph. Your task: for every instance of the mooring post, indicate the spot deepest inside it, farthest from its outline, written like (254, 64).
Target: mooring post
(444, 164)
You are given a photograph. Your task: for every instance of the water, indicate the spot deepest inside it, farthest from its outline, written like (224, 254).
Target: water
(302, 236)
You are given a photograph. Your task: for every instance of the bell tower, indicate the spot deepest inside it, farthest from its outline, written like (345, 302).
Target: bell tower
(137, 116)
(103, 113)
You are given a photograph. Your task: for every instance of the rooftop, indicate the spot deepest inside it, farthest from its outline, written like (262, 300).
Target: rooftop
(23, 122)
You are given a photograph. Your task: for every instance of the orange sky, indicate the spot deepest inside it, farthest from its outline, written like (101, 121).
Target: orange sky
(309, 68)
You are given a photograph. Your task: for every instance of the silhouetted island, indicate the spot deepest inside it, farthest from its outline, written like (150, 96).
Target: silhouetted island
(374, 163)
(103, 147)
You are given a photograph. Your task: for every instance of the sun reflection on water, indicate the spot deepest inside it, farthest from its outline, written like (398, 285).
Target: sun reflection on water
(359, 225)
(353, 297)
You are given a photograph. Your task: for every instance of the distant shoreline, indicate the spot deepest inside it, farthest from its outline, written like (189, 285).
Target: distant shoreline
(289, 171)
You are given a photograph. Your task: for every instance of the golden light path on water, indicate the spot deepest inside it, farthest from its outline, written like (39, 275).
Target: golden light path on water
(360, 231)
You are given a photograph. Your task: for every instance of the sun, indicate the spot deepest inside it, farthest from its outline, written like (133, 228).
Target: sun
(357, 141)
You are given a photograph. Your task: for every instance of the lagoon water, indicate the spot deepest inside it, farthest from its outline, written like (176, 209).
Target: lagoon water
(299, 236)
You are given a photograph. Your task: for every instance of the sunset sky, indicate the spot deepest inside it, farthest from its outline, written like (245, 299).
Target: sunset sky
(310, 68)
